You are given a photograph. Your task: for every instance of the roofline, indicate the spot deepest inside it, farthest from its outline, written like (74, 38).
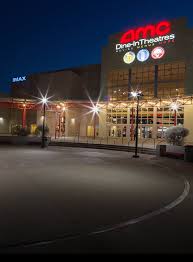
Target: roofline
(65, 69)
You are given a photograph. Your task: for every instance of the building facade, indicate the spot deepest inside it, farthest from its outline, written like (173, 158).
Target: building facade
(156, 59)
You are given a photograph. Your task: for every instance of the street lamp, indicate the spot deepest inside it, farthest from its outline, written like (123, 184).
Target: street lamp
(175, 106)
(44, 101)
(95, 111)
(136, 94)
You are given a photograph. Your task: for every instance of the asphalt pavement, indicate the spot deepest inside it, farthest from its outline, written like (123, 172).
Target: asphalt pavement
(73, 200)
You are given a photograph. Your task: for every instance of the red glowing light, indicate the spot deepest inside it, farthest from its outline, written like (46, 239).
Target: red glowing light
(158, 52)
(160, 29)
(143, 32)
(163, 28)
(128, 37)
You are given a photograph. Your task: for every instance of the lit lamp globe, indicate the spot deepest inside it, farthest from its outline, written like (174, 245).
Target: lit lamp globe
(44, 100)
(95, 109)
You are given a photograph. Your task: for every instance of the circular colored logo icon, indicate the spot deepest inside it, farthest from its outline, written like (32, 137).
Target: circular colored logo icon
(158, 52)
(129, 57)
(143, 55)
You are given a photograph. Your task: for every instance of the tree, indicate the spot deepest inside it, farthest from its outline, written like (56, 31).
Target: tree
(20, 131)
(175, 135)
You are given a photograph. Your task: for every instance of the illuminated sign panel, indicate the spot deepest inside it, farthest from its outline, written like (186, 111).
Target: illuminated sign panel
(149, 31)
(129, 58)
(19, 79)
(158, 53)
(142, 42)
(143, 55)
(138, 43)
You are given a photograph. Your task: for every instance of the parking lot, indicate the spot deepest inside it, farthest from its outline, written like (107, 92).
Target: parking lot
(70, 200)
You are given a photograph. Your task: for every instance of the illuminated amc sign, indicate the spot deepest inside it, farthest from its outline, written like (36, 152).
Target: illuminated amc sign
(148, 35)
(149, 31)
(19, 79)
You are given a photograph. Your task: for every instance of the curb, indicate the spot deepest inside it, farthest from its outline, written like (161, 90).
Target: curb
(147, 151)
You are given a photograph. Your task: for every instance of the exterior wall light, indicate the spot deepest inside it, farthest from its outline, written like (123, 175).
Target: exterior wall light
(73, 121)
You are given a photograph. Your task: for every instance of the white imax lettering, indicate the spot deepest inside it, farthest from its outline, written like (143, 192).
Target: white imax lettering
(145, 42)
(19, 79)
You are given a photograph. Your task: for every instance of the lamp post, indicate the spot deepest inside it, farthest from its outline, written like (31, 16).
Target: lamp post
(44, 102)
(24, 116)
(94, 126)
(175, 107)
(137, 95)
(95, 110)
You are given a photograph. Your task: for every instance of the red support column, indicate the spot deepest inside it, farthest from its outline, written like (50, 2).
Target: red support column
(24, 117)
(132, 123)
(59, 125)
(175, 118)
(56, 122)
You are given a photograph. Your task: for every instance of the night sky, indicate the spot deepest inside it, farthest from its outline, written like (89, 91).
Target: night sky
(38, 36)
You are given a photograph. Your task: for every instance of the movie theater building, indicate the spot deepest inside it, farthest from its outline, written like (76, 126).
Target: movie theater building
(156, 59)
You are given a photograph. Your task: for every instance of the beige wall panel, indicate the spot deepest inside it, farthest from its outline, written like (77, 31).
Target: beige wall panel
(102, 123)
(188, 122)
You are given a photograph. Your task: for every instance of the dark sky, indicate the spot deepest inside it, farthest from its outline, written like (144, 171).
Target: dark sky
(48, 35)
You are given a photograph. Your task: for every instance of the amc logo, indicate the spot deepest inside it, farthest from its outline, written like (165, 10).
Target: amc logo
(19, 79)
(149, 31)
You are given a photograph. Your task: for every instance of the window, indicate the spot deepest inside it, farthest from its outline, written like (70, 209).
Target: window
(171, 78)
(118, 116)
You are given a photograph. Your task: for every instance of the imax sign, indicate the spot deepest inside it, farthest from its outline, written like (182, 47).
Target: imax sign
(19, 79)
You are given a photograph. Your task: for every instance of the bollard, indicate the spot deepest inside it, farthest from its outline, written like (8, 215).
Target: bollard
(188, 157)
(161, 150)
